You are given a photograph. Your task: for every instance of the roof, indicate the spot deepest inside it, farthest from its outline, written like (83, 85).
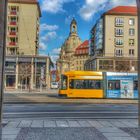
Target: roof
(27, 2)
(129, 10)
(73, 21)
(82, 48)
(23, 1)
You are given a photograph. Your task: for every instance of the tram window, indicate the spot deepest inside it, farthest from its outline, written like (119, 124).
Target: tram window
(135, 85)
(63, 82)
(114, 85)
(71, 84)
(85, 84)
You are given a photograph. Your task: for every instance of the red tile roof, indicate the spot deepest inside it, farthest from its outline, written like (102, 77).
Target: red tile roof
(82, 48)
(129, 10)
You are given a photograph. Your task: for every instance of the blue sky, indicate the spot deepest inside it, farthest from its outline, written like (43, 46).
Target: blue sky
(57, 15)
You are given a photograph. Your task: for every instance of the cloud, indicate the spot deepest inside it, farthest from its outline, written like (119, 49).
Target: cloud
(42, 46)
(91, 7)
(49, 36)
(54, 6)
(56, 50)
(54, 57)
(47, 27)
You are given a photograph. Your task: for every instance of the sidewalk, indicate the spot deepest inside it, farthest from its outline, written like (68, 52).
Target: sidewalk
(70, 130)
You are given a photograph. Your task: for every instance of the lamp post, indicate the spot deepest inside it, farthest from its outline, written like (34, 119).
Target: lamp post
(3, 15)
(138, 6)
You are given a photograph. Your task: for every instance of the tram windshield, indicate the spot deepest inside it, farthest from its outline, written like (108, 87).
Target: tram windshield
(63, 82)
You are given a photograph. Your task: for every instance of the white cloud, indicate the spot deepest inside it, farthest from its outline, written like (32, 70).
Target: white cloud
(54, 6)
(56, 50)
(91, 7)
(54, 57)
(48, 27)
(49, 36)
(42, 46)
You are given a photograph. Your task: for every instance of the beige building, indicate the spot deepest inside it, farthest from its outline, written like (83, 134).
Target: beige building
(81, 55)
(114, 42)
(66, 58)
(24, 68)
(22, 27)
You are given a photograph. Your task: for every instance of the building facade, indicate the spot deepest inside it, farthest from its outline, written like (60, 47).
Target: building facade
(66, 57)
(24, 68)
(23, 18)
(114, 42)
(81, 55)
(27, 72)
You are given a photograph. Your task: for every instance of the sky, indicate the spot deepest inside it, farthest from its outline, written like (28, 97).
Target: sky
(57, 16)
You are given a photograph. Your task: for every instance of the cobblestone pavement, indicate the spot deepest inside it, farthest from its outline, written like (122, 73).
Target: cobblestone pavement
(122, 129)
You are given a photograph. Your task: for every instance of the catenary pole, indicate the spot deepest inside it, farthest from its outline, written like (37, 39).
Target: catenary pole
(138, 6)
(3, 15)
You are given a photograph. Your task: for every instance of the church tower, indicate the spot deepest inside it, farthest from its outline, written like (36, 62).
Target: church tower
(73, 27)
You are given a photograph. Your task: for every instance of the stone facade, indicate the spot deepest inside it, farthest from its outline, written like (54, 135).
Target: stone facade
(66, 57)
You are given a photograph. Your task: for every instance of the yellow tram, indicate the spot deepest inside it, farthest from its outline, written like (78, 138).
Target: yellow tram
(82, 84)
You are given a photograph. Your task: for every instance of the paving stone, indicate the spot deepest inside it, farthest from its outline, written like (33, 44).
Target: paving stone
(128, 123)
(62, 124)
(120, 138)
(12, 124)
(49, 124)
(10, 131)
(95, 124)
(123, 134)
(84, 124)
(9, 136)
(133, 132)
(74, 124)
(110, 130)
(60, 133)
(106, 123)
(25, 123)
(118, 124)
(37, 123)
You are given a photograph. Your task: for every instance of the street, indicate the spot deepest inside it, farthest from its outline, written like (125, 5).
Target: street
(70, 111)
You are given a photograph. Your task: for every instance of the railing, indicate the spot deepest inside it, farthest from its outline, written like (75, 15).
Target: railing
(13, 13)
(12, 33)
(12, 44)
(13, 23)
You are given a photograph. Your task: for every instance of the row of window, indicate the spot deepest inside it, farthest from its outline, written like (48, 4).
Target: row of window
(120, 21)
(120, 32)
(119, 41)
(13, 8)
(85, 84)
(119, 52)
(82, 51)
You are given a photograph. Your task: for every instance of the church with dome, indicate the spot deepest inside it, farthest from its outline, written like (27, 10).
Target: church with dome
(67, 58)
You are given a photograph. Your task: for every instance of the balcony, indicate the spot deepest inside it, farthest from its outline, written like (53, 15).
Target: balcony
(12, 33)
(13, 13)
(13, 23)
(12, 44)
